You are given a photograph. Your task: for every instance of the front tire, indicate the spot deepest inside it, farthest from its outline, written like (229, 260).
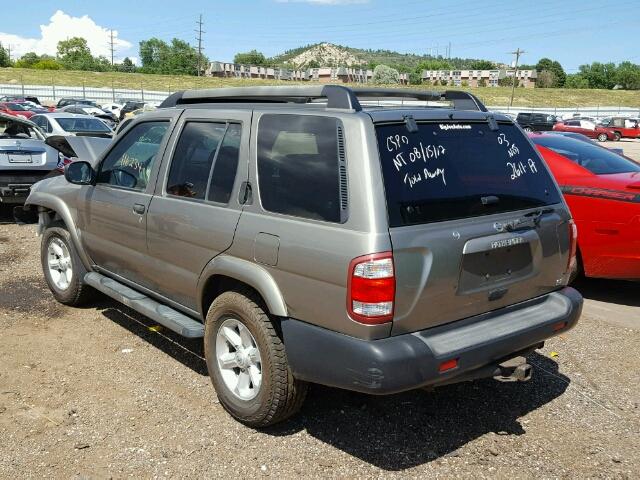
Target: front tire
(247, 362)
(602, 137)
(62, 268)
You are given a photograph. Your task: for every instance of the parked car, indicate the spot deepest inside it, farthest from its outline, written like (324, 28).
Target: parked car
(24, 158)
(373, 249)
(63, 102)
(586, 128)
(621, 127)
(113, 108)
(20, 99)
(16, 109)
(107, 117)
(536, 122)
(602, 189)
(64, 123)
(130, 106)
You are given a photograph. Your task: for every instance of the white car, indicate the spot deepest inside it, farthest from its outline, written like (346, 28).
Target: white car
(113, 108)
(62, 123)
(24, 158)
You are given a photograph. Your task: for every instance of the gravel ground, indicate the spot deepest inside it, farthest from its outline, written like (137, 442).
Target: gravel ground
(102, 392)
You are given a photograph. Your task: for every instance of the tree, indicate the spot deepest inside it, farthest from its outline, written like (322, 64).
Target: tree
(127, 65)
(576, 80)
(434, 64)
(628, 76)
(47, 64)
(154, 54)
(482, 83)
(599, 75)
(5, 61)
(253, 57)
(507, 82)
(74, 54)
(385, 75)
(28, 60)
(415, 78)
(546, 79)
(482, 65)
(554, 67)
(177, 58)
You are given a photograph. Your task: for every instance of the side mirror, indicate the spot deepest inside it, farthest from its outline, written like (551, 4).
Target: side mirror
(79, 173)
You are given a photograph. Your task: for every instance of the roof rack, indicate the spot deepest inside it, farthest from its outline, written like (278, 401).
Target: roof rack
(337, 96)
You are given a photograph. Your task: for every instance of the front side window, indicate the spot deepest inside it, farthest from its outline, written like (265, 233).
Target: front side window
(130, 162)
(298, 166)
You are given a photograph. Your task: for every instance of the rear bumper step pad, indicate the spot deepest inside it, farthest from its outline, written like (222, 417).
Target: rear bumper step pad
(164, 315)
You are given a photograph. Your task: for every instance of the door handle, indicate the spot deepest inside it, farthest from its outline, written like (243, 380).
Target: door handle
(138, 208)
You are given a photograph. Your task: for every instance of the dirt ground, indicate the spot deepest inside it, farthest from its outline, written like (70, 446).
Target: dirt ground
(101, 392)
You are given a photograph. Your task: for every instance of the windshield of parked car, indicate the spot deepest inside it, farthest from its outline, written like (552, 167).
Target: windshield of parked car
(82, 124)
(16, 107)
(596, 159)
(452, 170)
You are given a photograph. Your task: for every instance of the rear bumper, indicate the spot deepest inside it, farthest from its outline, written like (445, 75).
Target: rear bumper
(15, 186)
(410, 361)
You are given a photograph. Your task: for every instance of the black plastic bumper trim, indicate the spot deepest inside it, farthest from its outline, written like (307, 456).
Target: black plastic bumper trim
(410, 361)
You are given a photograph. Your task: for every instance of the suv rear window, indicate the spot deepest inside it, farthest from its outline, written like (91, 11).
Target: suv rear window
(447, 171)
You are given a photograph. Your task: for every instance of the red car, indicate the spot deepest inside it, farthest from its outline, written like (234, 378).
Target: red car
(622, 127)
(16, 109)
(586, 128)
(602, 189)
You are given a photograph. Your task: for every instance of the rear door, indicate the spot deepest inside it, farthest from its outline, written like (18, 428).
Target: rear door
(194, 214)
(476, 221)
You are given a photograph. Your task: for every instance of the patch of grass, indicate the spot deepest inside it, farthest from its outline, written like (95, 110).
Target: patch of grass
(496, 96)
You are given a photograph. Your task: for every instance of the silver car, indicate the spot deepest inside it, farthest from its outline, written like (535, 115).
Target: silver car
(307, 238)
(24, 158)
(64, 123)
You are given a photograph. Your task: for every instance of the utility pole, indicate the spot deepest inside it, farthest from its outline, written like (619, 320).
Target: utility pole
(449, 52)
(517, 53)
(111, 46)
(8, 51)
(199, 39)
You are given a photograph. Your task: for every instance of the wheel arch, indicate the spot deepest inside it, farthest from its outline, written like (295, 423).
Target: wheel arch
(225, 273)
(50, 209)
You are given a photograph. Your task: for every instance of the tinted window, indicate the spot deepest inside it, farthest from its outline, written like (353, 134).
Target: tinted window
(446, 171)
(225, 166)
(82, 124)
(193, 157)
(130, 162)
(298, 166)
(594, 158)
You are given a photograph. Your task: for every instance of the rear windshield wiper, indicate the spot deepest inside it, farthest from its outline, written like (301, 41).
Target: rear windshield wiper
(531, 219)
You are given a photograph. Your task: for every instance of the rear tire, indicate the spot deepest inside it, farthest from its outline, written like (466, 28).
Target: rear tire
(63, 270)
(616, 137)
(528, 129)
(247, 362)
(602, 137)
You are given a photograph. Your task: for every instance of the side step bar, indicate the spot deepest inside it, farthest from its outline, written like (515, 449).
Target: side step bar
(164, 315)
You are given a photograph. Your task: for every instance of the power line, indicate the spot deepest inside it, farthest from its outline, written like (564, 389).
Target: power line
(199, 39)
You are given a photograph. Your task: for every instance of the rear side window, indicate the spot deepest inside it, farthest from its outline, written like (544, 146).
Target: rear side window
(300, 166)
(205, 161)
(447, 171)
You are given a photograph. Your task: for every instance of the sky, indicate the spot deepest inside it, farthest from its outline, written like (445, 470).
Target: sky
(570, 31)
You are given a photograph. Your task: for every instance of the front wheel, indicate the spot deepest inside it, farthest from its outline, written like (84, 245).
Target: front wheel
(247, 362)
(602, 137)
(62, 268)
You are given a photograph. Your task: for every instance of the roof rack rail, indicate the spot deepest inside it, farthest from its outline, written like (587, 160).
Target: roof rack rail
(337, 96)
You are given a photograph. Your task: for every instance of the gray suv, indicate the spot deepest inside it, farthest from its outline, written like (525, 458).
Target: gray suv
(321, 234)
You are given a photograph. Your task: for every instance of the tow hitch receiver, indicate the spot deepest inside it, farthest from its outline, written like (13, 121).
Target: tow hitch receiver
(514, 370)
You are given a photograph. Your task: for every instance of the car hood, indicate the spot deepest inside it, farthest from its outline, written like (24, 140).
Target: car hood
(83, 148)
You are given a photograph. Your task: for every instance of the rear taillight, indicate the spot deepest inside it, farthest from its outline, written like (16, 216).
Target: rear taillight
(371, 288)
(573, 245)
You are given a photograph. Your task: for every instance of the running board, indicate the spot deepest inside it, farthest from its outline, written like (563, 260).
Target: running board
(164, 315)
